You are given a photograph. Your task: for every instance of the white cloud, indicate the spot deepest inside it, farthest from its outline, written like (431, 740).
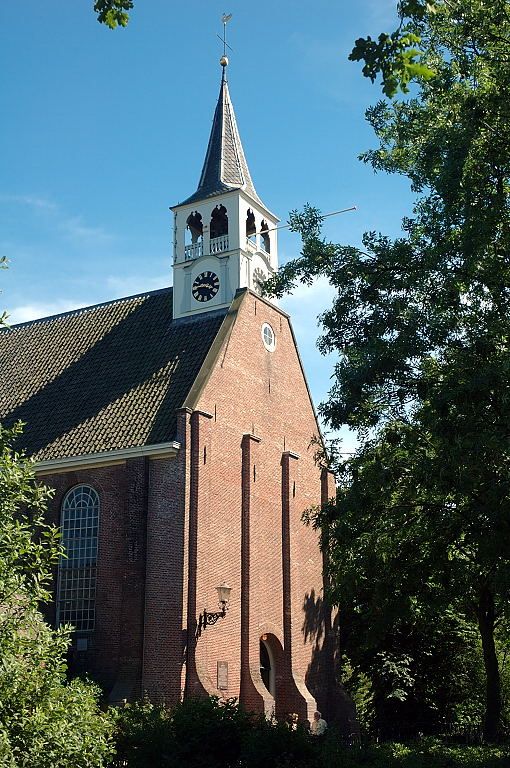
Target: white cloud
(33, 201)
(72, 227)
(27, 312)
(76, 230)
(133, 284)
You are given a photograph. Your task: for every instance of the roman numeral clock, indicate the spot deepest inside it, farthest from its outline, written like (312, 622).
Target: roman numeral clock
(205, 286)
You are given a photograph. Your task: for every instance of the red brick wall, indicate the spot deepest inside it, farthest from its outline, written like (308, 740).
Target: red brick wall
(254, 391)
(228, 508)
(116, 643)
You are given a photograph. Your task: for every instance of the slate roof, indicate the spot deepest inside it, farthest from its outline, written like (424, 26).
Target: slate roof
(225, 167)
(102, 378)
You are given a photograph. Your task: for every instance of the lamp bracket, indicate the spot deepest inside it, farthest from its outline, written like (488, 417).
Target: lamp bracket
(207, 619)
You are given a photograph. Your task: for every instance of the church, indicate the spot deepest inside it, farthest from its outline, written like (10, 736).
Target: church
(177, 430)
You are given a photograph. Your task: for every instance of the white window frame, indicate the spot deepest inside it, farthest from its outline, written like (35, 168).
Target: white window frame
(77, 572)
(270, 345)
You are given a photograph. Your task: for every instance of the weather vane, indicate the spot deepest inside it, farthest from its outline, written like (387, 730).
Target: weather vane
(225, 19)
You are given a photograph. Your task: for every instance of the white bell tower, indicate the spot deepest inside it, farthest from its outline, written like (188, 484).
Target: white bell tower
(224, 236)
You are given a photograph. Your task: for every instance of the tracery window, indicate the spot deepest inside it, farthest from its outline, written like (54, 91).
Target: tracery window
(76, 593)
(251, 229)
(264, 236)
(219, 222)
(194, 227)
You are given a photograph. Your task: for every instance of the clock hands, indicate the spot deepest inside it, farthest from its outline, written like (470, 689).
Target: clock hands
(206, 286)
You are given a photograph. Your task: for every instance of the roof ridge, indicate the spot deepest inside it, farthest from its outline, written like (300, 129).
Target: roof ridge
(86, 308)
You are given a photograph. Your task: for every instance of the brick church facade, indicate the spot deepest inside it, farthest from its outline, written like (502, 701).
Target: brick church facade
(177, 430)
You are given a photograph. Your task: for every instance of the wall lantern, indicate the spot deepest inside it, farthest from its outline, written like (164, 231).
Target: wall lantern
(207, 619)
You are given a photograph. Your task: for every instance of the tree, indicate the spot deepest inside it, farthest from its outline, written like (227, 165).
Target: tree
(421, 326)
(45, 722)
(113, 13)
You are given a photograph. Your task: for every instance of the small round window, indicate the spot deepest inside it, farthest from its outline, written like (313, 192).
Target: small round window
(268, 337)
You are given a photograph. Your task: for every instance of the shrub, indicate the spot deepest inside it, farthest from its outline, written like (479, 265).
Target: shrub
(207, 732)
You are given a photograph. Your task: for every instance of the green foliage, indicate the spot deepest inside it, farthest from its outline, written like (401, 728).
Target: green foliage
(113, 13)
(143, 735)
(25, 559)
(420, 323)
(361, 690)
(395, 56)
(45, 722)
(412, 672)
(273, 745)
(410, 53)
(424, 753)
(206, 732)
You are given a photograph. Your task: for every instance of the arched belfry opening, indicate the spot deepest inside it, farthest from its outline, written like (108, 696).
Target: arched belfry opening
(251, 228)
(219, 229)
(219, 222)
(193, 247)
(194, 228)
(264, 237)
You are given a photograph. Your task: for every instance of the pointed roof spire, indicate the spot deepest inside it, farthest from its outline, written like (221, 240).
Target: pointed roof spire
(225, 167)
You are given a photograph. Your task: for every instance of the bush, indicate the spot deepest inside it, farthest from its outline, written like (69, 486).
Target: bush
(45, 721)
(143, 735)
(207, 732)
(273, 745)
(423, 753)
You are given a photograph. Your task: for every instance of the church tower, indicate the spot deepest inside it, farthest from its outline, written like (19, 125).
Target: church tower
(224, 236)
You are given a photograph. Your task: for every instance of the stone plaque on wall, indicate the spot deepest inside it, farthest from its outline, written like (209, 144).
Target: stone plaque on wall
(222, 675)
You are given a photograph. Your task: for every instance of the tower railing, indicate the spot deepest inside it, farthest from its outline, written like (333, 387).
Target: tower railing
(193, 251)
(219, 244)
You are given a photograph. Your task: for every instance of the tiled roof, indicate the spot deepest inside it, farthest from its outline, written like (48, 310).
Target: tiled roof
(225, 167)
(102, 378)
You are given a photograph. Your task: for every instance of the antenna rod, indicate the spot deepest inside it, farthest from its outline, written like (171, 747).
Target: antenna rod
(324, 216)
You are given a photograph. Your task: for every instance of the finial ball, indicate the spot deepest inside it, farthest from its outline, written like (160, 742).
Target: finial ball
(224, 61)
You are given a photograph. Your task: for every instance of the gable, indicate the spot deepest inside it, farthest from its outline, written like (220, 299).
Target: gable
(101, 378)
(250, 385)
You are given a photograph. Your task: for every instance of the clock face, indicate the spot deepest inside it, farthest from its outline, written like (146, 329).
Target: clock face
(206, 286)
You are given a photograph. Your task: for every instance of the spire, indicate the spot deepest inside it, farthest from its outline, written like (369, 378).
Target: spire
(225, 167)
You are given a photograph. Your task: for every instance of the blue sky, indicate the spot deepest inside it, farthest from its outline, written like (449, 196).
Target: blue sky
(103, 130)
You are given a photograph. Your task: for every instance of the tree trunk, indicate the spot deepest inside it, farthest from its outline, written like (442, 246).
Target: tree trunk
(485, 616)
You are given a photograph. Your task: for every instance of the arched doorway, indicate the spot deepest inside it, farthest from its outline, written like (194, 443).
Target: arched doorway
(267, 667)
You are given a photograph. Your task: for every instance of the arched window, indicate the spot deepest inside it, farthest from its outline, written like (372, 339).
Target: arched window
(251, 229)
(264, 237)
(194, 236)
(194, 226)
(219, 221)
(267, 667)
(76, 595)
(219, 230)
